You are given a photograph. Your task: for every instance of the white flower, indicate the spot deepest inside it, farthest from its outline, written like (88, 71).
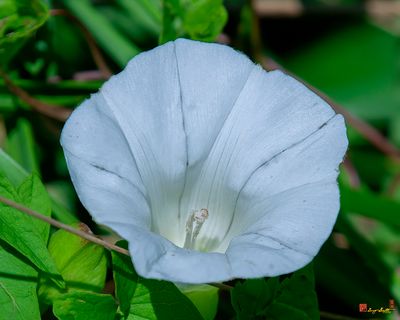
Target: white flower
(210, 167)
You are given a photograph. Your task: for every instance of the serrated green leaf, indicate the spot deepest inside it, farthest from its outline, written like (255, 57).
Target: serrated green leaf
(21, 235)
(16, 175)
(85, 306)
(18, 20)
(23, 232)
(141, 298)
(18, 281)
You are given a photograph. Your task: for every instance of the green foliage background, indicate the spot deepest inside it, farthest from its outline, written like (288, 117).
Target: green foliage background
(54, 54)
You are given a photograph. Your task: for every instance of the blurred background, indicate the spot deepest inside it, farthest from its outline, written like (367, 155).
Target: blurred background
(54, 54)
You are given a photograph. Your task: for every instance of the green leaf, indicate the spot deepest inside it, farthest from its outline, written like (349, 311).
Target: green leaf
(18, 20)
(85, 306)
(394, 129)
(23, 232)
(370, 253)
(141, 298)
(125, 278)
(33, 195)
(11, 169)
(82, 264)
(251, 297)
(196, 19)
(18, 281)
(18, 276)
(293, 298)
(370, 205)
(338, 272)
(296, 297)
(16, 175)
(364, 85)
(205, 19)
(204, 297)
(20, 146)
(145, 13)
(115, 44)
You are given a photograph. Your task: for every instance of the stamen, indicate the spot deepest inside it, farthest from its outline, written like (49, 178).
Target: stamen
(193, 226)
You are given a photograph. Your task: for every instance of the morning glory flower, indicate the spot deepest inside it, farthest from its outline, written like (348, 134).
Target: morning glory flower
(209, 166)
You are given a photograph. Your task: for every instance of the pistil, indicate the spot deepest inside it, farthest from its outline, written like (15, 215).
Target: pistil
(193, 225)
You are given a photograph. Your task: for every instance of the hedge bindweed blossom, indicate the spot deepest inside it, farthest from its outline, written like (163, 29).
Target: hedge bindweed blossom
(210, 167)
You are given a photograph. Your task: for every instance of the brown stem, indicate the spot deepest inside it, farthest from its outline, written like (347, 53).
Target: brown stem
(63, 226)
(365, 129)
(51, 110)
(80, 233)
(94, 49)
(221, 286)
(352, 172)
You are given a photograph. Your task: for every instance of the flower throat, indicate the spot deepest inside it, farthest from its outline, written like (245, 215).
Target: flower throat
(193, 225)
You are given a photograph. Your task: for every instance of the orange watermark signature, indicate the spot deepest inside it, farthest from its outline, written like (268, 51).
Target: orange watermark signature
(363, 307)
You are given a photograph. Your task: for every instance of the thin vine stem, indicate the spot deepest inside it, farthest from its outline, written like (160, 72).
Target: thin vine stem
(51, 110)
(60, 225)
(80, 233)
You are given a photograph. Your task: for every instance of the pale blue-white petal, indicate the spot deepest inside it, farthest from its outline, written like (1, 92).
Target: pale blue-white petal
(289, 235)
(102, 166)
(128, 147)
(312, 160)
(145, 100)
(157, 258)
(288, 207)
(184, 127)
(211, 77)
(273, 113)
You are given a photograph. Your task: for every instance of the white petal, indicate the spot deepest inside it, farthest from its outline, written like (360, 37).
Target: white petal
(102, 167)
(314, 159)
(145, 100)
(288, 207)
(186, 126)
(296, 224)
(156, 258)
(167, 105)
(211, 77)
(272, 114)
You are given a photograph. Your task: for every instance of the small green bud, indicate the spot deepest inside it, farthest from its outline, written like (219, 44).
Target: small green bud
(82, 264)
